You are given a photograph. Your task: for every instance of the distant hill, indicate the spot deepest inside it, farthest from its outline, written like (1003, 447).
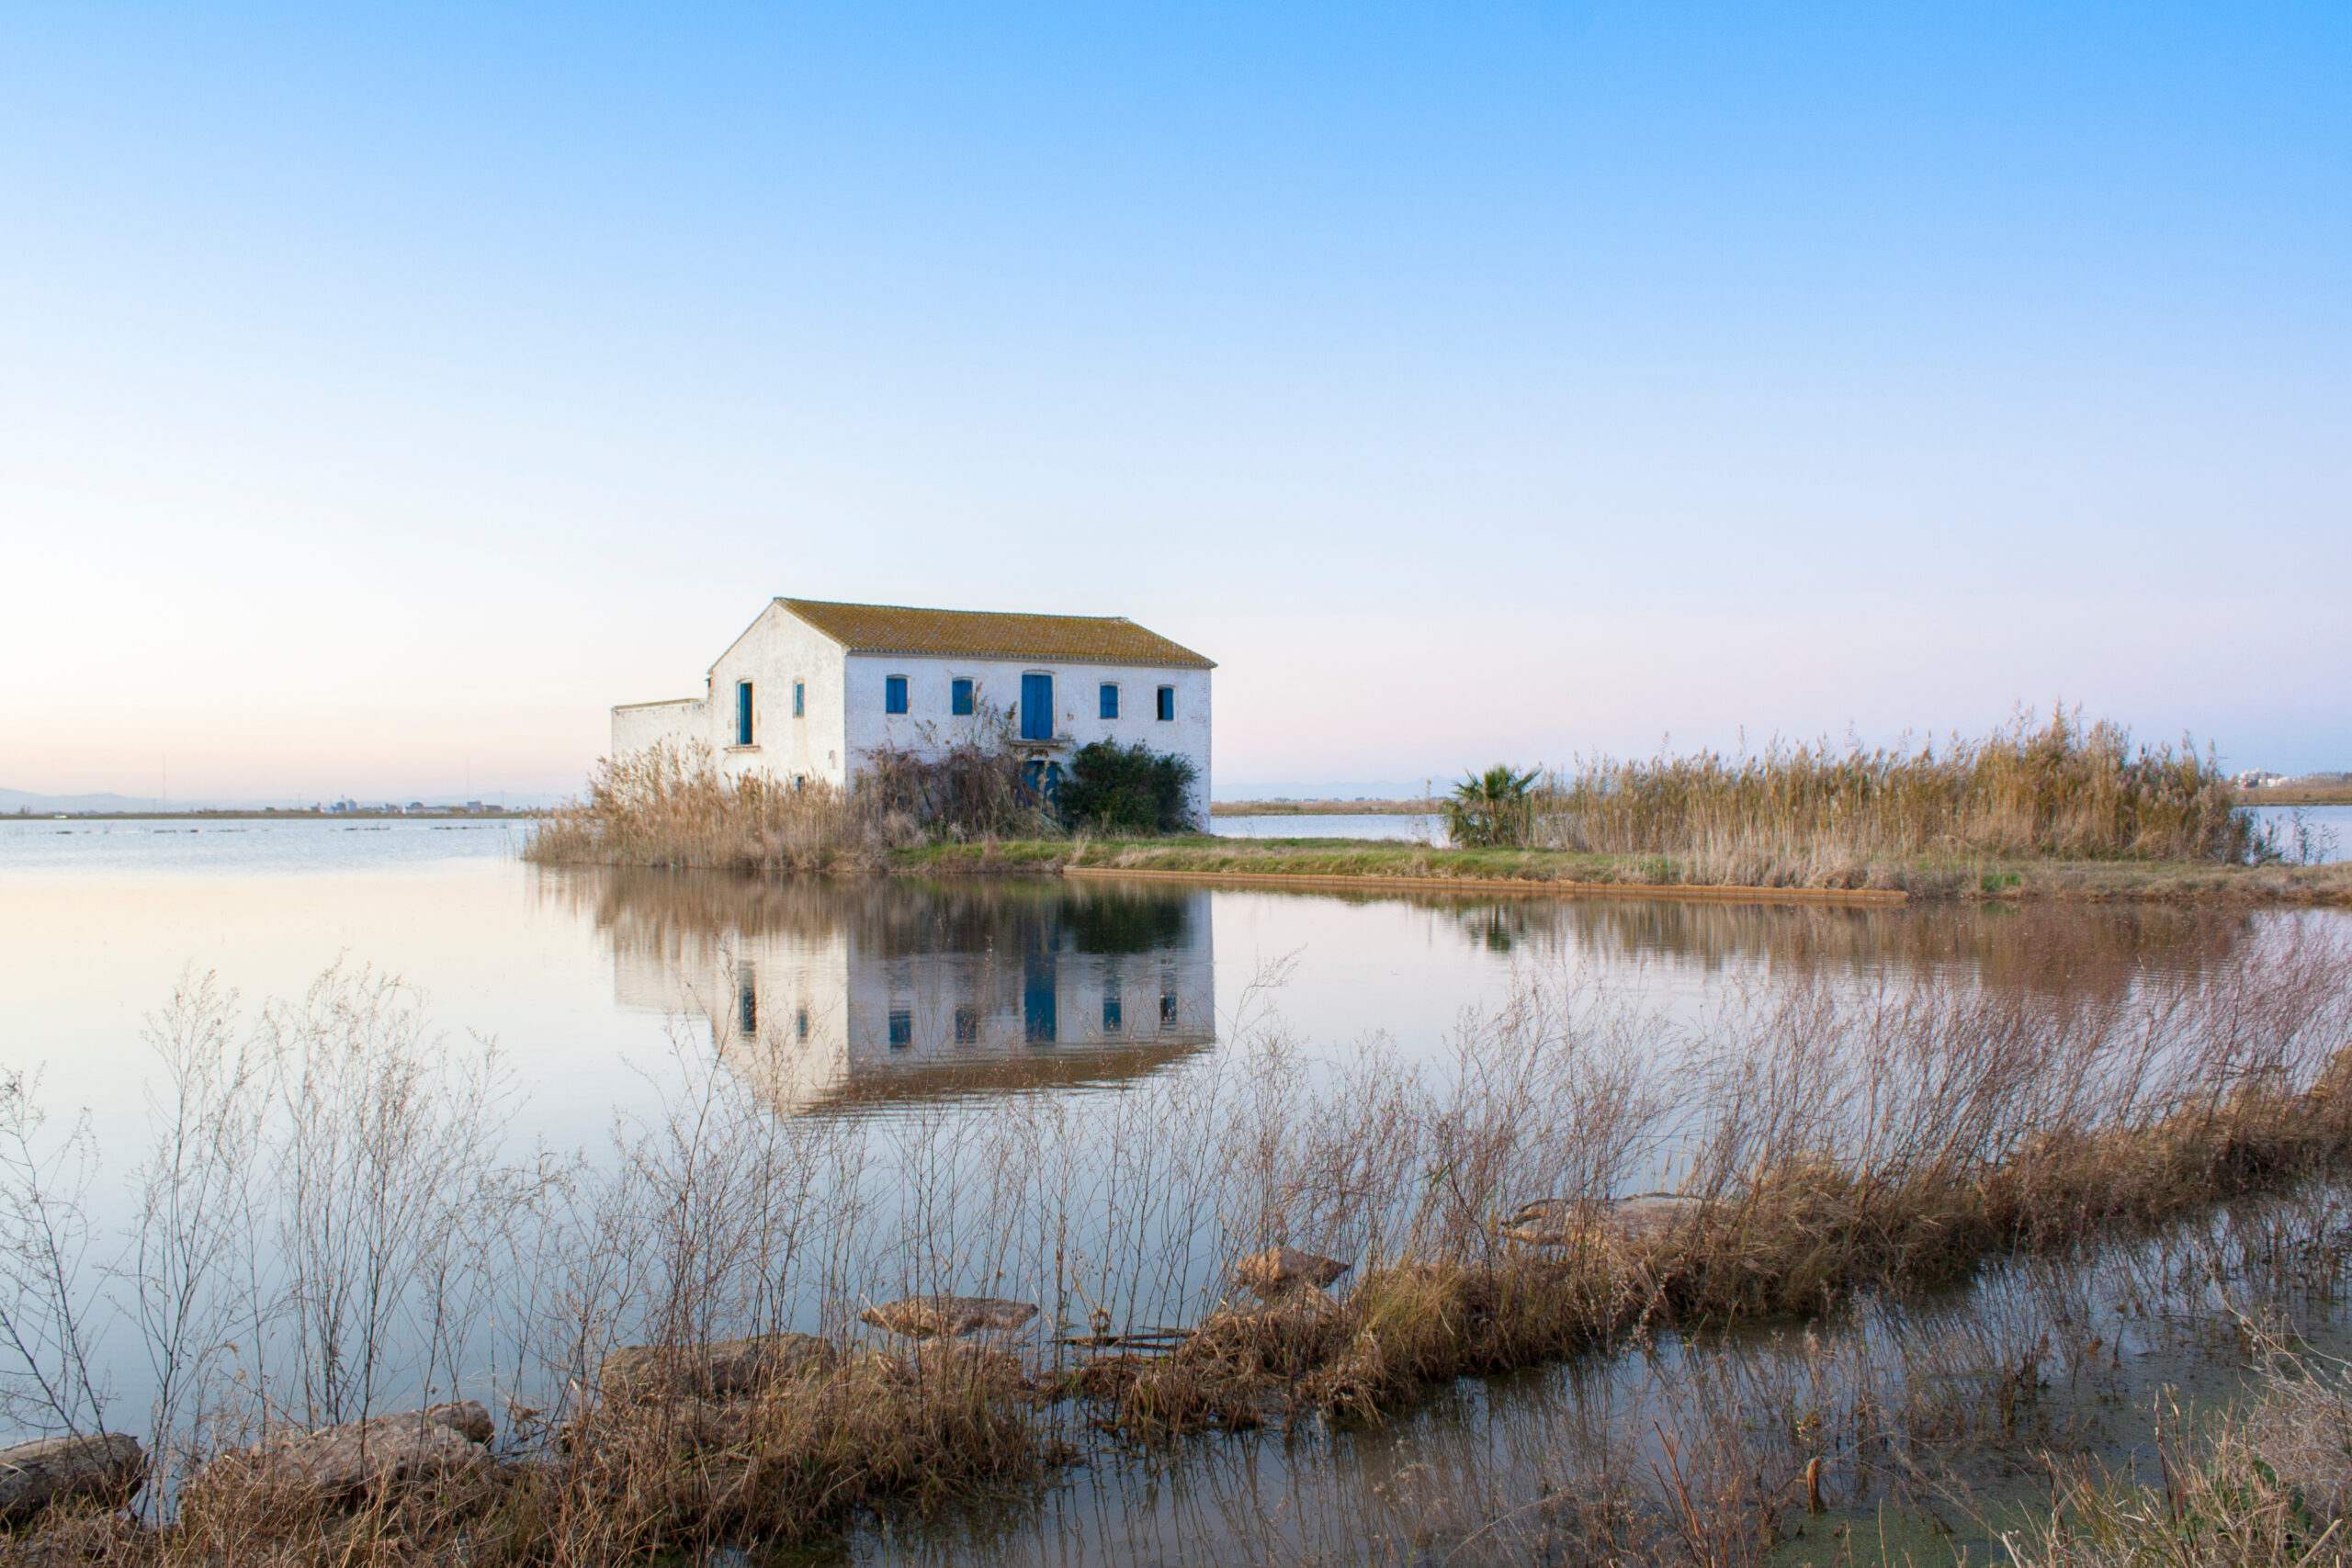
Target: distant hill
(14, 800)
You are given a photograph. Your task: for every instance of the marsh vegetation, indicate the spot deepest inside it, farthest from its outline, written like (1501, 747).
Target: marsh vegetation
(2059, 789)
(2058, 809)
(669, 806)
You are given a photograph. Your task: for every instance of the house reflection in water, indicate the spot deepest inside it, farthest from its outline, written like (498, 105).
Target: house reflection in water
(835, 993)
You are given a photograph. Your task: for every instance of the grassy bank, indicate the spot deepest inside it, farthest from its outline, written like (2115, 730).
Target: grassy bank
(1826, 1141)
(1926, 877)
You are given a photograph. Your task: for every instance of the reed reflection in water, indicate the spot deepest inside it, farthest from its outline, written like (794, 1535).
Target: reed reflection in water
(844, 995)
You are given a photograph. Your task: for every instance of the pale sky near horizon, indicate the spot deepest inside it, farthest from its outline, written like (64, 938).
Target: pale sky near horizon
(386, 392)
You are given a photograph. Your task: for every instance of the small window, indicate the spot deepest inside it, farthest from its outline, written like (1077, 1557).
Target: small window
(894, 693)
(1110, 700)
(1112, 1019)
(1167, 704)
(1167, 1010)
(800, 1023)
(959, 696)
(800, 699)
(967, 1025)
(747, 1009)
(742, 713)
(902, 1027)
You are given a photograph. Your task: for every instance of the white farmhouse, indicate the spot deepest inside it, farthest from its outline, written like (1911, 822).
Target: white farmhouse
(813, 688)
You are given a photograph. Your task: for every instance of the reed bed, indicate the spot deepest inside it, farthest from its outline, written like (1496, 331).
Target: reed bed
(336, 1219)
(1818, 816)
(669, 806)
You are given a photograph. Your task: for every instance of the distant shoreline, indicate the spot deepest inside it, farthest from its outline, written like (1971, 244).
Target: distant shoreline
(209, 815)
(1324, 808)
(2297, 795)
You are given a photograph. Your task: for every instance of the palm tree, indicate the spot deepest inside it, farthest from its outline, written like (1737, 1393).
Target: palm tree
(1491, 809)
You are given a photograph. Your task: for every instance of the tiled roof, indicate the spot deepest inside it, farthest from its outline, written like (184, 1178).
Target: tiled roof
(988, 634)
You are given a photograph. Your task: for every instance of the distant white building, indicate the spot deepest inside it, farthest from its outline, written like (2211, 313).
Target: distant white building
(811, 688)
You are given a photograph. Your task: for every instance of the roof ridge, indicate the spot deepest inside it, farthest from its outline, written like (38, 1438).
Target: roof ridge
(945, 610)
(927, 631)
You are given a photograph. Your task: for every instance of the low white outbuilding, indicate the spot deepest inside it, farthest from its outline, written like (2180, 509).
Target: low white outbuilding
(813, 688)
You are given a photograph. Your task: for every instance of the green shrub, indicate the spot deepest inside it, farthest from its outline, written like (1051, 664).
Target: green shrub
(1128, 789)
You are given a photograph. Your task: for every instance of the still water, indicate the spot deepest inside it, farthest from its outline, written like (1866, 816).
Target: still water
(906, 1004)
(908, 991)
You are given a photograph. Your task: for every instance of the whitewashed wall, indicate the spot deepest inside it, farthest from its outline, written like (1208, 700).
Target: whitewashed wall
(929, 726)
(775, 651)
(636, 726)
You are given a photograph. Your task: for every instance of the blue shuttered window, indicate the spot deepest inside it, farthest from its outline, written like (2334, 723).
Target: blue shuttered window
(1110, 700)
(894, 693)
(902, 1026)
(959, 696)
(1167, 704)
(742, 713)
(800, 699)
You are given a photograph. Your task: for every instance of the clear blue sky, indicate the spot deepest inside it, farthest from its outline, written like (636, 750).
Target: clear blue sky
(383, 394)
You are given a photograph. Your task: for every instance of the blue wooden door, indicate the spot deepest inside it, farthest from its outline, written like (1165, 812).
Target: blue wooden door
(1036, 707)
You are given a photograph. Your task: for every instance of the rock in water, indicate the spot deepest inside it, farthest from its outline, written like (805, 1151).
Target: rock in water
(729, 1368)
(1563, 1221)
(1546, 1222)
(926, 1317)
(384, 1450)
(467, 1417)
(107, 1468)
(1653, 1214)
(1281, 1269)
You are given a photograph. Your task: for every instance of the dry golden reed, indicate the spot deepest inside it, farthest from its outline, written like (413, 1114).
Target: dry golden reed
(669, 806)
(1814, 814)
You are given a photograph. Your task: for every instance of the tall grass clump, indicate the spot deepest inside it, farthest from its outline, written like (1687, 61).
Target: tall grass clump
(671, 805)
(1810, 813)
